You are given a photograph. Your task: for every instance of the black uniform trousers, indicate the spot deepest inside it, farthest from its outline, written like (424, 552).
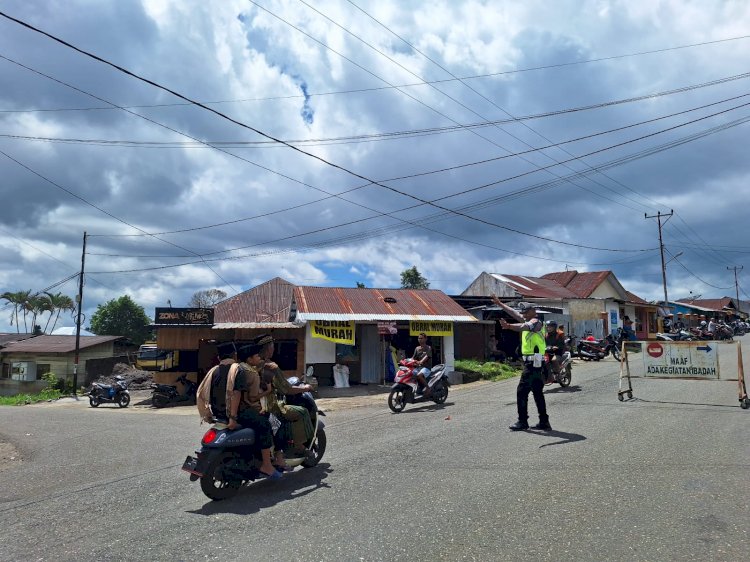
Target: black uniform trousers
(532, 380)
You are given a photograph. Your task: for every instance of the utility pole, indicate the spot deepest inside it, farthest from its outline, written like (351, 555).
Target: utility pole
(736, 285)
(79, 303)
(658, 216)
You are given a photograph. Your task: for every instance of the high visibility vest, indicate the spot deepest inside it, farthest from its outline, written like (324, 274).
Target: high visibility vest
(531, 340)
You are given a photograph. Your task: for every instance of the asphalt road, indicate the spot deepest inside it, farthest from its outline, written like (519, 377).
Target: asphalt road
(661, 477)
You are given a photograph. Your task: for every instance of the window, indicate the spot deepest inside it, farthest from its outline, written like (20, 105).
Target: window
(285, 354)
(42, 369)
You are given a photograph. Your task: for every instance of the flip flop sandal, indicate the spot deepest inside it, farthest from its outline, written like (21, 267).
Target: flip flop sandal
(275, 475)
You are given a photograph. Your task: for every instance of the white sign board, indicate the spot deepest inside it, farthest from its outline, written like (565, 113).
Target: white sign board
(690, 359)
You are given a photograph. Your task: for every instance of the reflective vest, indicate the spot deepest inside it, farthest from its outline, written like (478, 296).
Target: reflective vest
(531, 340)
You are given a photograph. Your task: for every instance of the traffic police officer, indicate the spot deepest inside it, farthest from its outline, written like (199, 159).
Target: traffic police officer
(532, 351)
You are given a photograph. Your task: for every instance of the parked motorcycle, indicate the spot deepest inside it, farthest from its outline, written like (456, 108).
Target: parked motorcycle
(110, 393)
(164, 394)
(407, 389)
(564, 373)
(682, 335)
(229, 459)
(595, 350)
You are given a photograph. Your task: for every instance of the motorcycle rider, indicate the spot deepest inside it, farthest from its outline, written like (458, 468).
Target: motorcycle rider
(556, 345)
(532, 347)
(678, 325)
(423, 356)
(297, 416)
(712, 325)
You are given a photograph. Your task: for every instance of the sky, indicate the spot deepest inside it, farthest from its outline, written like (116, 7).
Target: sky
(207, 144)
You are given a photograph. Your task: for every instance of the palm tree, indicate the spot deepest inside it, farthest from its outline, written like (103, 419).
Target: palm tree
(15, 300)
(38, 305)
(24, 303)
(59, 303)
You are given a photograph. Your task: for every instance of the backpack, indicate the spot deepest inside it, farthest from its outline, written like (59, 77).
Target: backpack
(203, 394)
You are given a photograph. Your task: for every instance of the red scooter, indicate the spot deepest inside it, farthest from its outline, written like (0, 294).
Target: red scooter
(407, 389)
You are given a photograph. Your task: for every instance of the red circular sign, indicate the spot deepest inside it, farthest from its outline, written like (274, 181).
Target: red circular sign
(655, 350)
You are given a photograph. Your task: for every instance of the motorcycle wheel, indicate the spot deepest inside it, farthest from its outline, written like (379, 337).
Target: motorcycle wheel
(318, 450)
(94, 401)
(397, 400)
(213, 484)
(159, 400)
(440, 394)
(566, 377)
(616, 354)
(123, 400)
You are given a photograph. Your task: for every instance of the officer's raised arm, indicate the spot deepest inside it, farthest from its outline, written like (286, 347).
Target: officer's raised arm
(513, 313)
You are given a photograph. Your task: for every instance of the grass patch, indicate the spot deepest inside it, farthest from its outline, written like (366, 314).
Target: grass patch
(23, 399)
(490, 371)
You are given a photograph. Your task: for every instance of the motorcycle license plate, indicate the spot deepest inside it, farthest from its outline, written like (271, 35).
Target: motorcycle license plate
(191, 465)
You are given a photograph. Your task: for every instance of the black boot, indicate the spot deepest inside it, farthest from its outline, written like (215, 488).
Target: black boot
(519, 426)
(543, 425)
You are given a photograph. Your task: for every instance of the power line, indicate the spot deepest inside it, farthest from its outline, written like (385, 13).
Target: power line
(380, 88)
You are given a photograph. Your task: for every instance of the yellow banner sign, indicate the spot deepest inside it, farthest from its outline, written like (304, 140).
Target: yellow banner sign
(430, 327)
(333, 330)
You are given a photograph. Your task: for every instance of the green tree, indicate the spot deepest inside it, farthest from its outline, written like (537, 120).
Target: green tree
(206, 298)
(412, 279)
(121, 317)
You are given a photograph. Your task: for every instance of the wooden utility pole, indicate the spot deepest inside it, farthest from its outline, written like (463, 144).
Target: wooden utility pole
(79, 303)
(658, 216)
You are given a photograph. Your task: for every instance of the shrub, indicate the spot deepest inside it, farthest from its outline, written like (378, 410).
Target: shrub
(491, 370)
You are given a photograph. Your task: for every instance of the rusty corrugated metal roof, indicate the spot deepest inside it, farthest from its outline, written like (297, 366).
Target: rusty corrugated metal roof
(56, 344)
(635, 299)
(339, 303)
(268, 303)
(711, 304)
(535, 287)
(582, 284)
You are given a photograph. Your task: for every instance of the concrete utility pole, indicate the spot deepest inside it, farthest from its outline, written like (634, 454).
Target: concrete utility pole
(736, 285)
(658, 216)
(79, 303)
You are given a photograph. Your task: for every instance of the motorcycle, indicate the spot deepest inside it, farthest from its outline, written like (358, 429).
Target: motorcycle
(595, 350)
(406, 386)
(116, 393)
(564, 373)
(229, 459)
(164, 394)
(682, 335)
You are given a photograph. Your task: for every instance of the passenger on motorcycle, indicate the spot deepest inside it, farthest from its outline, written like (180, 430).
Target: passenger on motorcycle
(423, 356)
(556, 344)
(250, 414)
(297, 417)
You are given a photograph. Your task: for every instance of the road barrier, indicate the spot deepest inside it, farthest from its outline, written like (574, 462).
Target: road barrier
(691, 360)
